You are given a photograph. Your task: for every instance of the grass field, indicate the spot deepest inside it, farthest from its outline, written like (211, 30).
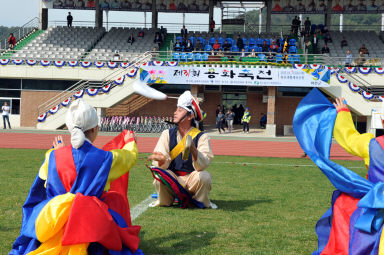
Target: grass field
(266, 206)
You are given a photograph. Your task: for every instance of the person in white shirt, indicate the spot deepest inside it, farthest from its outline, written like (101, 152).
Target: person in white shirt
(5, 114)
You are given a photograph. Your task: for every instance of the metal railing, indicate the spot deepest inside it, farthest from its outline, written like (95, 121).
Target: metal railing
(225, 55)
(85, 84)
(171, 27)
(20, 32)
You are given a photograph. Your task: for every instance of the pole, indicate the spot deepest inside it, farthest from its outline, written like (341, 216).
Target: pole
(106, 15)
(341, 22)
(260, 19)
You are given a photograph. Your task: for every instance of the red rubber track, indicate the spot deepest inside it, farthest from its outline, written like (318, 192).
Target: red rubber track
(147, 144)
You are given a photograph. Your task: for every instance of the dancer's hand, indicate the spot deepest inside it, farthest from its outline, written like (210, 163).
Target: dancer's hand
(159, 157)
(58, 142)
(129, 135)
(339, 104)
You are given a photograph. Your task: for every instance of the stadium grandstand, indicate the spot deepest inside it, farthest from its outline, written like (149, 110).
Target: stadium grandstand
(241, 60)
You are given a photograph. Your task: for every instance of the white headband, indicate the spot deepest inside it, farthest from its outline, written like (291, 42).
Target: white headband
(80, 118)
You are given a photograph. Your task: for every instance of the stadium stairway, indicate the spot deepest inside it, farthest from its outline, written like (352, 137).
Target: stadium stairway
(166, 46)
(22, 43)
(101, 102)
(355, 101)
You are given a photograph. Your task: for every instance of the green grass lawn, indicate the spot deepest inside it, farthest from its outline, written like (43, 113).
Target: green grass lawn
(266, 206)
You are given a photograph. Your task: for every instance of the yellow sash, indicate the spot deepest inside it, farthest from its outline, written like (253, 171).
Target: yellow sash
(179, 148)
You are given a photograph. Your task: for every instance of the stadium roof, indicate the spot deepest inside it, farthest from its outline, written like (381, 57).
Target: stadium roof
(242, 4)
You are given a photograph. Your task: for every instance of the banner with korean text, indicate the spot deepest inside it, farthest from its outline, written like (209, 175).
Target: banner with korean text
(249, 76)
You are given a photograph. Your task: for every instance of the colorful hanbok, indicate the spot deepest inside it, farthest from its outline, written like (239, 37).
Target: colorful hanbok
(353, 224)
(78, 202)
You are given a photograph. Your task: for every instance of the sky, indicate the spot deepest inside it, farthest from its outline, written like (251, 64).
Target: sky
(19, 12)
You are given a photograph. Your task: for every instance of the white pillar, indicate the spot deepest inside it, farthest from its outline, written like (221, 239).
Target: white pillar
(183, 18)
(221, 22)
(341, 22)
(40, 14)
(301, 23)
(106, 15)
(260, 19)
(382, 22)
(145, 19)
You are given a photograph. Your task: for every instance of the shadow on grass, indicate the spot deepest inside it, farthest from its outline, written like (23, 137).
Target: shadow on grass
(238, 205)
(176, 243)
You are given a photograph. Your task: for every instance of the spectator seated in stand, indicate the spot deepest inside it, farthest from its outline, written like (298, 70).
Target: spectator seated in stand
(141, 34)
(216, 46)
(131, 39)
(344, 42)
(158, 39)
(253, 53)
(116, 56)
(177, 46)
(188, 46)
(265, 47)
(226, 46)
(243, 54)
(220, 53)
(364, 50)
(274, 47)
(348, 58)
(360, 60)
(199, 45)
(325, 49)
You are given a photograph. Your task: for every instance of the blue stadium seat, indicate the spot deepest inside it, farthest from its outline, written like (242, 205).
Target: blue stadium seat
(268, 41)
(197, 57)
(246, 48)
(202, 41)
(291, 59)
(245, 41)
(262, 57)
(204, 57)
(297, 59)
(281, 41)
(229, 40)
(292, 42)
(259, 41)
(234, 48)
(251, 42)
(212, 40)
(207, 47)
(279, 58)
(190, 56)
(180, 38)
(259, 49)
(220, 40)
(192, 40)
(175, 56)
(292, 49)
(320, 27)
(183, 57)
(313, 28)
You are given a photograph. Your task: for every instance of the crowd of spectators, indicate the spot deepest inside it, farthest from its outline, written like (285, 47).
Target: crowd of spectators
(227, 46)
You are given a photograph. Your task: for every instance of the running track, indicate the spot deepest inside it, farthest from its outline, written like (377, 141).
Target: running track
(280, 149)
